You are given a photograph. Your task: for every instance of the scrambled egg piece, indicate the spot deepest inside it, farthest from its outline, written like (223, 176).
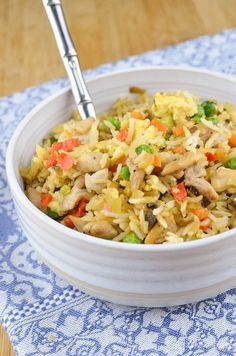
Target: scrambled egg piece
(179, 105)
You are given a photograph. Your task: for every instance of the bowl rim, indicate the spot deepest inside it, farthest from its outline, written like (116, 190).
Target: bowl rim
(89, 239)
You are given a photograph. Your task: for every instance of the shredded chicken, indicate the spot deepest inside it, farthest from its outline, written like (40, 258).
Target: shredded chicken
(76, 194)
(84, 126)
(34, 196)
(91, 162)
(78, 222)
(100, 229)
(205, 132)
(179, 174)
(196, 171)
(215, 139)
(80, 182)
(96, 181)
(224, 179)
(203, 187)
(136, 179)
(187, 160)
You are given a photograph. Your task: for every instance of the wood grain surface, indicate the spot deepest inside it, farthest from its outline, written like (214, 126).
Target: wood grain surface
(103, 31)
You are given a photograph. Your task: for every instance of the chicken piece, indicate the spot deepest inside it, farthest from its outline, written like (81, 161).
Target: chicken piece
(76, 194)
(196, 171)
(136, 179)
(97, 181)
(215, 139)
(34, 196)
(156, 235)
(203, 187)
(90, 162)
(224, 179)
(100, 229)
(83, 126)
(179, 174)
(80, 182)
(205, 132)
(185, 161)
(78, 222)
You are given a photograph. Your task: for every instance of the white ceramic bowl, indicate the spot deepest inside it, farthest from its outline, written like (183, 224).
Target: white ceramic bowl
(139, 275)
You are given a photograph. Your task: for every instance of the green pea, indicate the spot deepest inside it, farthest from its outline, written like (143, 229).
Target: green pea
(231, 163)
(125, 173)
(52, 214)
(167, 136)
(213, 119)
(200, 113)
(209, 108)
(53, 139)
(132, 238)
(115, 122)
(145, 148)
(195, 238)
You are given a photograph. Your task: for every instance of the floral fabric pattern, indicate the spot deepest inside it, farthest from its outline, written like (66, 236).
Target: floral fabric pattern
(45, 316)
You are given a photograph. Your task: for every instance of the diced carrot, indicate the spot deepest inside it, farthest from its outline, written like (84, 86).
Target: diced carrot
(51, 161)
(113, 168)
(178, 130)
(201, 213)
(45, 200)
(66, 145)
(65, 162)
(159, 125)
(205, 224)
(211, 157)
(81, 208)
(137, 115)
(179, 192)
(56, 146)
(232, 141)
(68, 222)
(123, 159)
(221, 155)
(156, 161)
(178, 149)
(122, 135)
(69, 144)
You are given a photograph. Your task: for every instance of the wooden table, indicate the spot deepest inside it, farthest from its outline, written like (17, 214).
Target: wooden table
(103, 31)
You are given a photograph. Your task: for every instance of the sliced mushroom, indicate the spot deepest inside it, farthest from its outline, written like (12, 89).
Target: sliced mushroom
(34, 196)
(185, 161)
(83, 126)
(203, 187)
(224, 179)
(100, 229)
(90, 162)
(96, 181)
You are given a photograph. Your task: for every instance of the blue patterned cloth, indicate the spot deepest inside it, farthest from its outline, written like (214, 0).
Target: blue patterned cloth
(45, 316)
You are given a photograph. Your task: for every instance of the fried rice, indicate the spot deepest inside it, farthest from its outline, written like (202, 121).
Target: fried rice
(151, 170)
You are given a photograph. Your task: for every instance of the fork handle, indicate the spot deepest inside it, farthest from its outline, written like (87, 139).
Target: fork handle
(69, 57)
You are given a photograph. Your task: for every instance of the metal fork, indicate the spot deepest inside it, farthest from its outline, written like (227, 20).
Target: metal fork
(69, 57)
